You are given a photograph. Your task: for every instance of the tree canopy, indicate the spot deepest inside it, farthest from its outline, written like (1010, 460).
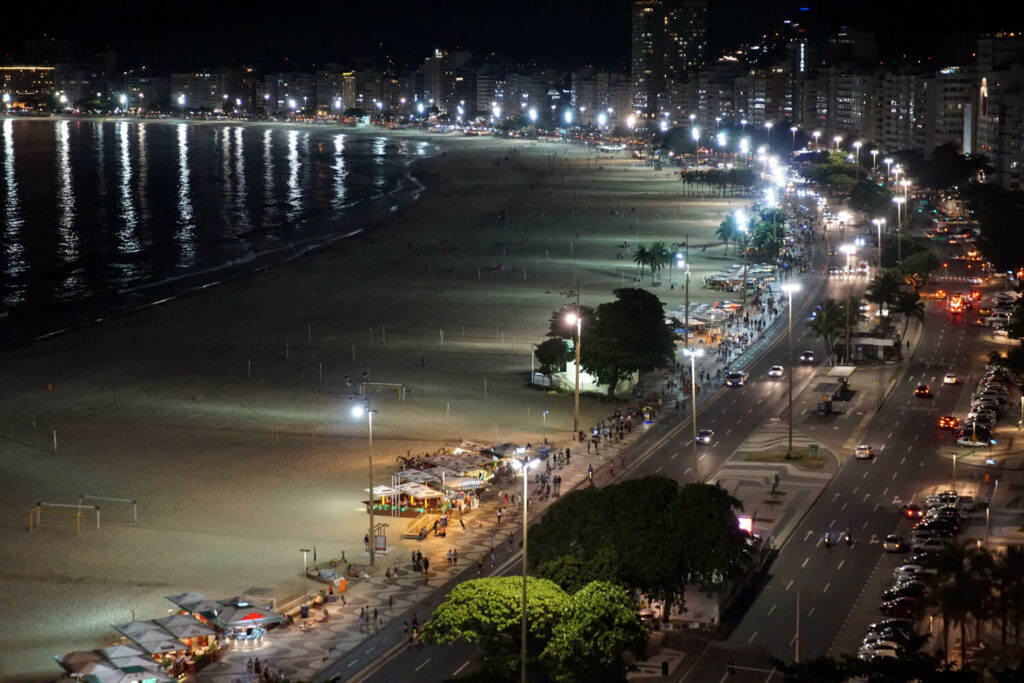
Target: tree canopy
(578, 636)
(650, 534)
(627, 335)
(998, 212)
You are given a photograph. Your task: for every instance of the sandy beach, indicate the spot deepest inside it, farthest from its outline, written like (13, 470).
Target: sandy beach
(225, 414)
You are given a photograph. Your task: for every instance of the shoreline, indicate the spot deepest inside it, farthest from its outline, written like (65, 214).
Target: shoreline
(225, 416)
(367, 212)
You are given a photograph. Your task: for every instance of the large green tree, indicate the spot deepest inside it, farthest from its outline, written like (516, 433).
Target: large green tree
(552, 354)
(728, 230)
(628, 335)
(909, 305)
(600, 623)
(577, 637)
(657, 536)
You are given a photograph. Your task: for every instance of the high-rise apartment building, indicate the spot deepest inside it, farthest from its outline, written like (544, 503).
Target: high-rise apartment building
(668, 39)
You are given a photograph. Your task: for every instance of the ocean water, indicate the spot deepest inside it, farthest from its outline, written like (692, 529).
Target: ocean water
(100, 215)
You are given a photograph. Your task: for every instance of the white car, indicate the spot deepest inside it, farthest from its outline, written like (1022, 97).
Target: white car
(863, 452)
(735, 378)
(705, 436)
(950, 378)
(775, 371)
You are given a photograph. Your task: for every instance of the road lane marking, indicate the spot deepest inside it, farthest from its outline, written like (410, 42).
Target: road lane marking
(729, 430)
(877, 505)
(890, 435)
(909, 448)
(806, 560)
(866, 496)
(352, 662)
(789, 584)
(832, 524)
(807, 535)
(754, 635)
(865, 525)
(903, 459)
(825, 589)
(844, 505)
(810, 613)
(885, 492)
(658, 470)
(423, 664)
(701, 456)
(772, 609)
(865, 476)
(459, 670)
(894, 474)
(674, 455)
(687, 470)
(841, 563)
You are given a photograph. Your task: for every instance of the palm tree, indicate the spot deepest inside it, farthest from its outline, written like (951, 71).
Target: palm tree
(659, 257)
(909, 305)
(827, 325)
(882, 291)
(728, 230)
(960, 589)
(1008, 583)
(642, 257)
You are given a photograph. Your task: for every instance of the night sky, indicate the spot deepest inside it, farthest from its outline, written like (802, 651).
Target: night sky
(560, 33)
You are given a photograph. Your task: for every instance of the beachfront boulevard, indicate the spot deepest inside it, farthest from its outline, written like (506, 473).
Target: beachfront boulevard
(233, 435)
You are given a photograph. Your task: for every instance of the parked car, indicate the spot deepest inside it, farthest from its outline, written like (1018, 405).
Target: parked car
(932, 544)
(900, 607)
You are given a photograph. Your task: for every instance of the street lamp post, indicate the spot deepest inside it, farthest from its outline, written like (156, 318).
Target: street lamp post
(879, 222)
(899, 247)
(816, 134)
(874, 160)
(577, 320)
(693, 355)
(789, 289)
(793, 129)
(524, 465)
(305, 571)
(768, 125)
(857, 146)
(837, 139)
(360, 410)
(741, 223)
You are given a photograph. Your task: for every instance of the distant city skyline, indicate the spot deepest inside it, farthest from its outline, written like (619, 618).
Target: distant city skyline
(573, 33)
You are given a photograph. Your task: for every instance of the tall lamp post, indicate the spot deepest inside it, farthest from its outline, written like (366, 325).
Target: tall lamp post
(837, 139)
(816, 134)
(768, 125)
(793, 130)
(524, 465)
(857, 145)
(874, 160)
(741, 224)
(359, 410)
(577, 320)
(879, 222)
(899, 247)
(693, 354)
(789, 289)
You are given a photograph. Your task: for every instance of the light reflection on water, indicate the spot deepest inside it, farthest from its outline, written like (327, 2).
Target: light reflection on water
(13, 249)
(94, 207)
(186, 235)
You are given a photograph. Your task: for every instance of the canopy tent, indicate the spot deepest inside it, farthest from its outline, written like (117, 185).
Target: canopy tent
(243, 615)
(195, 602)
(184, 626)
(844, 371)
(408, 488)
(81, 661)
(119, 651)
(461, 463)
(471, 447)
(150, 637)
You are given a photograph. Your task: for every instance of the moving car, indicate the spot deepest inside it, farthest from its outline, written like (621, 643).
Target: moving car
(735, 378)
(863, 452)
(950, 378)
(775, 371)
(948, 422)
(894, 544)
(912, 511)
(807, 357)
(705, 435)
(923, 391)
